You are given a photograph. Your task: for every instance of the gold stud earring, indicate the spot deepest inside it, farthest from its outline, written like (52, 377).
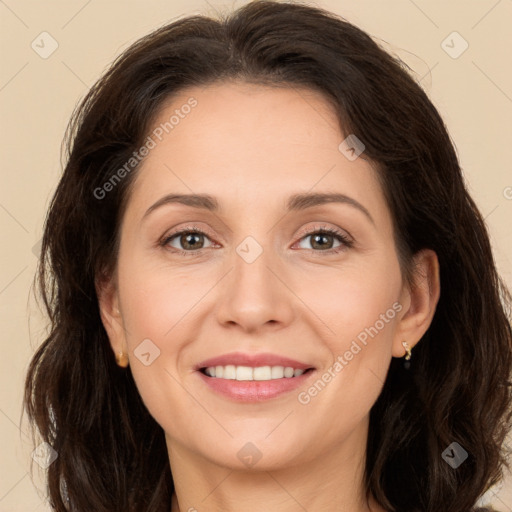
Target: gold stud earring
(122, 359)
(407, 349)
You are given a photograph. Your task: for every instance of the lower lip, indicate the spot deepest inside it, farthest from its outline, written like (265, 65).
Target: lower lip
(254, 390)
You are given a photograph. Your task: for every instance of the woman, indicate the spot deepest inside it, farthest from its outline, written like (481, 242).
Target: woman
(268, 286)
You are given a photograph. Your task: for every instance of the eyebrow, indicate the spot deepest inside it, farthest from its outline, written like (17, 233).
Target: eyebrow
(296, 202)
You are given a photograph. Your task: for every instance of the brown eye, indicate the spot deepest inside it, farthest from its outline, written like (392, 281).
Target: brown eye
(321, 241)
(188, 240)
(324, 240)
(191, 241)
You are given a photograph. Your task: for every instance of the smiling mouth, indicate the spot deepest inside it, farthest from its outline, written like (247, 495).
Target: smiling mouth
(249, 373)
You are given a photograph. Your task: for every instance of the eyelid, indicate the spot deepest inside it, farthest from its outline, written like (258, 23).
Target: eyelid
(325, 227)
(347, 240)
(190, 228)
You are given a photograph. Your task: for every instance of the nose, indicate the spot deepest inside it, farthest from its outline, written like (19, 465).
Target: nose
(255, 295)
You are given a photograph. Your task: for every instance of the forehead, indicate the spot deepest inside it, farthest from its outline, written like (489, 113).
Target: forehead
(250, 143)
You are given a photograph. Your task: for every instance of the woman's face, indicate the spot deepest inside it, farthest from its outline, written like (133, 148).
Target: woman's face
(260, 287)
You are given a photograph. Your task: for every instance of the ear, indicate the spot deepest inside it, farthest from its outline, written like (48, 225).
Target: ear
(111, 316)
(419, 301)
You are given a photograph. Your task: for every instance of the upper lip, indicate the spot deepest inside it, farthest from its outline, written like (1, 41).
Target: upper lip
(253, 360)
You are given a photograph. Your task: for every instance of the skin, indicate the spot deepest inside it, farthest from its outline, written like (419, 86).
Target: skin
(251, 147)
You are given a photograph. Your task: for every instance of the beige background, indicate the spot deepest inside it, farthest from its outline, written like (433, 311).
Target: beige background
(473, 93)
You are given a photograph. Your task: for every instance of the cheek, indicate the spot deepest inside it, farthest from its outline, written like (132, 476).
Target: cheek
(157, 298)
(157, 307)
(160, 304)
(363, 318)
(355, 303)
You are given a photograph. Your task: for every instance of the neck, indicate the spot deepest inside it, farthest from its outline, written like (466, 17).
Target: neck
(332, 482)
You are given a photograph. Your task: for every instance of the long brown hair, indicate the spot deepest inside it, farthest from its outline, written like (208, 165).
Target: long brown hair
(111, 452)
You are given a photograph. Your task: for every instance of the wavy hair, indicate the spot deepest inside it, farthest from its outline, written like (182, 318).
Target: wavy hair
(111, 452)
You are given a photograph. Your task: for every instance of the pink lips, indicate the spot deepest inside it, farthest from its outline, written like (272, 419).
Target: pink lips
(253, 391)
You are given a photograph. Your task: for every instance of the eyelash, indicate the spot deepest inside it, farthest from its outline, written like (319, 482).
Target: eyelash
(346, 242)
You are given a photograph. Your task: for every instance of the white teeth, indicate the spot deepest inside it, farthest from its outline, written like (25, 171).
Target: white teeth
(249, 373)
(244, 373)
(288, 372)
(262, 373)
(229, 372)
(277, 372)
